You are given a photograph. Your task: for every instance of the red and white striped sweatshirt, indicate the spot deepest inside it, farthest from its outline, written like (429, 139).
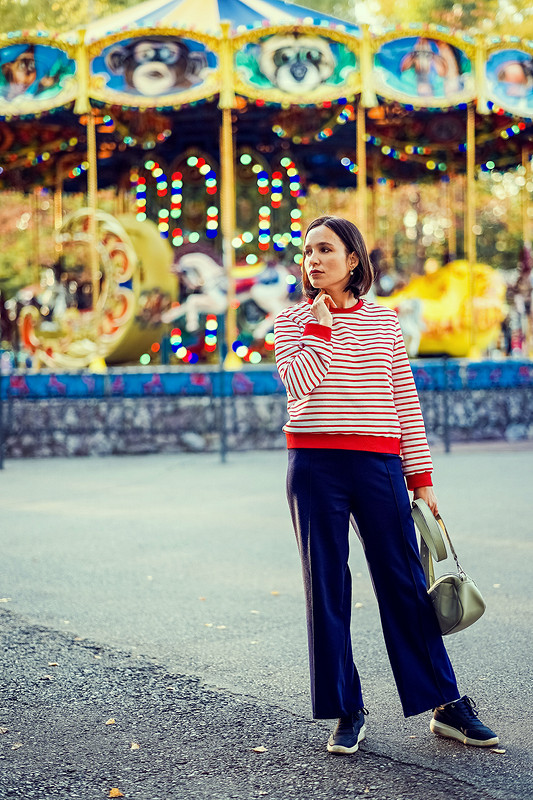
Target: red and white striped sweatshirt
(351, 387)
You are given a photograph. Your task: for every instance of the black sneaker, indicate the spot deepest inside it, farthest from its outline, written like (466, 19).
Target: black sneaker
(348, 733)
(459, 721)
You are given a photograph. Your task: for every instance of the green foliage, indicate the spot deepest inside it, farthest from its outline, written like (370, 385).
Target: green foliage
(488, 16)
(58, 15)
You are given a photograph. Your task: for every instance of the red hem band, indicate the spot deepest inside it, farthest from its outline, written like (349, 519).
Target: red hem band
(351, 441)
(345, 441)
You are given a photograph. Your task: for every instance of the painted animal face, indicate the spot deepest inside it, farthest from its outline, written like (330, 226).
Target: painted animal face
(518, 77)
(20, 73)
(296, 64)
(155, 66)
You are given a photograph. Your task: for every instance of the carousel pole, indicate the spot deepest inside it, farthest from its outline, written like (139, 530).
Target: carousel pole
(450, 199)
(470, 216)
(389, 215)
(227, 191)
(92, 180)
(367, 99)
(373, 233)
(526, 204)
(362, 216)
(36, 234)
(92, 198)
(58, 199)
(83, 107)
(526, 236)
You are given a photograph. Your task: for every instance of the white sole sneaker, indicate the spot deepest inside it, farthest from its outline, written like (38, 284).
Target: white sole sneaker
(453, 733)
(340, 750)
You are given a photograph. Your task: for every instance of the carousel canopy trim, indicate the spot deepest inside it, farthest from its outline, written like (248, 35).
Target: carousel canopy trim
(207, 15)
(301, 64)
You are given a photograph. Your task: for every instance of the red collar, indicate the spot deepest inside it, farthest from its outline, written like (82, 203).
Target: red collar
(350, 310)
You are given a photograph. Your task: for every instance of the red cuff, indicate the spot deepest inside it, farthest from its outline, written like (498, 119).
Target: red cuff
(315, 329)
(418, 480)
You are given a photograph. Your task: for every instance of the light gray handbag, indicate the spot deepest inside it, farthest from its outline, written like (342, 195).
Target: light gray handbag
(456, 599)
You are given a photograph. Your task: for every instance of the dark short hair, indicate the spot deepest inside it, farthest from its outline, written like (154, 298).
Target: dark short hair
(363, 275)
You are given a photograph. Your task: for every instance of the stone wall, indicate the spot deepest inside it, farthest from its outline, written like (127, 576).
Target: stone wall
(158, 424)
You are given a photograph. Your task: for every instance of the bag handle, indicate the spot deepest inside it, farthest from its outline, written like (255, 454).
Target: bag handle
(460, 570)
(427, 563)
(432, 543)
(430, 532)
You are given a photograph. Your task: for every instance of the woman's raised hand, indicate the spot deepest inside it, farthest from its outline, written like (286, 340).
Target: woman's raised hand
(321, 308)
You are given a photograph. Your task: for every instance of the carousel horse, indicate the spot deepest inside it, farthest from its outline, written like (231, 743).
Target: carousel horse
(410, 317)
(411, 321)
(204, 284)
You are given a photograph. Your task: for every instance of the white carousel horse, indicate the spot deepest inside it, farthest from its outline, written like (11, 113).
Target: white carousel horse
(206, 281)
(411, 323)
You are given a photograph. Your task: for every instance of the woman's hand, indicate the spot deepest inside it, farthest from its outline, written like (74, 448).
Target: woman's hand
(320, 308)
(427, 494)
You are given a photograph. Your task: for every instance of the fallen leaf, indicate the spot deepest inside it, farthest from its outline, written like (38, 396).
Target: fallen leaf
(259, 749)
(202, 599)
(4, 730)
(498, 750)
(208, 624)
(170, 688)
(79, 638)
(115, 793)
(5, 599)
(253, 611)
(275, 593)
(53, 664)
(496, 585)
(16, 746)
(111, 721)
(221, 627)
(135, 746)
(359, 605)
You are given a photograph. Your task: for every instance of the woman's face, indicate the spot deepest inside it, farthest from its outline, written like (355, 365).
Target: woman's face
(326, 262)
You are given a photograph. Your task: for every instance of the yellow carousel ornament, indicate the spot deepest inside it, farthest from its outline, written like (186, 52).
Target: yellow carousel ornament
(457, 309)
(83, 320)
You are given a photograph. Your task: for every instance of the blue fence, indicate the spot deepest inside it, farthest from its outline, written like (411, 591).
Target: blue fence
(430, 375)
(132, 410)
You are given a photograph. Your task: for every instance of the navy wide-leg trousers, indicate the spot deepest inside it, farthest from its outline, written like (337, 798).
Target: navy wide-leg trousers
(325, 488)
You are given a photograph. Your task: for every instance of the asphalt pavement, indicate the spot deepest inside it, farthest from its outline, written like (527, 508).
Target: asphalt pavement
(164, 593)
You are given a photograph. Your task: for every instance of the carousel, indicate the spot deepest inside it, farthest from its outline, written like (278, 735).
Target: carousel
(208, 122)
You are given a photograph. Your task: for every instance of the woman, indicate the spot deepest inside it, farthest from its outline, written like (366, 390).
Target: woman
(355, 436)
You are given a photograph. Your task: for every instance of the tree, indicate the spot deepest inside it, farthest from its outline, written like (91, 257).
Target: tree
(496, 17)
(488, 16)
(59, 15)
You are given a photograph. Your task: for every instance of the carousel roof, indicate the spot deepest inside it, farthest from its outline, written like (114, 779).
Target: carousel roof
(206, 16)
(295, 80)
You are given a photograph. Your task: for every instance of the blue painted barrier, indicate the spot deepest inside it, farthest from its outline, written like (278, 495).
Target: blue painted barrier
(430, 375)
